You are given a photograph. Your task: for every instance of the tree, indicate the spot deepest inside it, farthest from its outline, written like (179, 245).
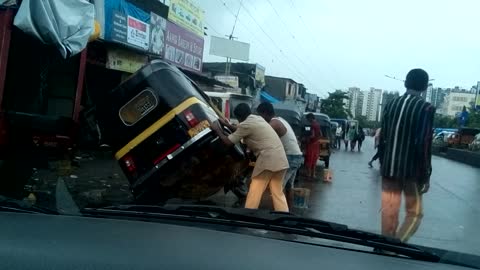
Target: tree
(444, 121)
(334, 105)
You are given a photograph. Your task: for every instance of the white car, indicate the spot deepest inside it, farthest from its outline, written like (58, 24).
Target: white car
(475, 144)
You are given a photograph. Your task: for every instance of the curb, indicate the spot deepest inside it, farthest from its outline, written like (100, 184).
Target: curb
(463, 156)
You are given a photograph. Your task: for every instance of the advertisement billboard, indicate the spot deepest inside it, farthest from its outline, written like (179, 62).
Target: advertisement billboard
(229, 48)
(124, 60)
(260, 75)
(187, 15)
(183, 48)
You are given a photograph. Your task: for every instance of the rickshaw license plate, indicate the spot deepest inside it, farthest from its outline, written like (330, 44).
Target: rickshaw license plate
(198, 128)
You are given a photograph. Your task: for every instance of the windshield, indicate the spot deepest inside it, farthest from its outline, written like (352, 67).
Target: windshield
(86, 123)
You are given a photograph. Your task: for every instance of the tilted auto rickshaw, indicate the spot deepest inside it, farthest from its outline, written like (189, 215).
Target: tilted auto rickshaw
(158, 123)
(326, 128)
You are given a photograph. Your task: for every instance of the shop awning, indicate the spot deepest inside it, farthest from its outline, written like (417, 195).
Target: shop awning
(267, 97)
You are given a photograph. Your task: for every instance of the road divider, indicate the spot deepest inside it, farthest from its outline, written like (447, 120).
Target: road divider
(460, 155)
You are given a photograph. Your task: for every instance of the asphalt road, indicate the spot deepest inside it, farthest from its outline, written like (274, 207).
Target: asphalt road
(451, 207)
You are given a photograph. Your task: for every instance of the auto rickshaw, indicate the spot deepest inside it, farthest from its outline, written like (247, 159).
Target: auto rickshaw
(158, 123)
(291, 114)
(463, 137)
(326, 128)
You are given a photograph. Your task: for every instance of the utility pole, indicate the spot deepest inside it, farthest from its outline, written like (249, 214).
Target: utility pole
(231, 37)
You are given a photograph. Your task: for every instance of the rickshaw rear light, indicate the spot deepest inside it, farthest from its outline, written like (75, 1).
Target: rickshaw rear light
(191, 119)
(129, 163)
(227, 109)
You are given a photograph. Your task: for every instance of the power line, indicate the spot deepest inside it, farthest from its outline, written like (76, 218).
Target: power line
(274, 43)
(212, 28)
(298, 74)
(309, 31)
(293, 36)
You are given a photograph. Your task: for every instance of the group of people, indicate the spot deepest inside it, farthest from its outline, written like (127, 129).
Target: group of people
(276, 147)
(403, 144)
(352, 137)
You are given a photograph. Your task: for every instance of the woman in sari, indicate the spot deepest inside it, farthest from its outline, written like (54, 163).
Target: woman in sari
(312, 146)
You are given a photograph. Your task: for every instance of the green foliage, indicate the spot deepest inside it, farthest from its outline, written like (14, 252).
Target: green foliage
(334, 105)
(443, 121)
(474, 119)
(364, 123)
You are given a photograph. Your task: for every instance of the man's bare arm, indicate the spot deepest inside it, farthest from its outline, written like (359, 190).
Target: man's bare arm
(279, 128)
(218, 129)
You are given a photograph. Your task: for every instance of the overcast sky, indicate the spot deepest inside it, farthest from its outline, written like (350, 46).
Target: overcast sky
(335, 44)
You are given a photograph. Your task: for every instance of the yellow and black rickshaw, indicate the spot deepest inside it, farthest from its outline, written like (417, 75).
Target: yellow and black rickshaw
(158, 123)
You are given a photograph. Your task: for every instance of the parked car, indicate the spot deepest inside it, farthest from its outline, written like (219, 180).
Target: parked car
(226, 103)
(158, 123)
(462, 138)
(475, 144)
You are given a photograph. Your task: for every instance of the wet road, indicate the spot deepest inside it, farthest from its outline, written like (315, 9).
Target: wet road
(451, 207)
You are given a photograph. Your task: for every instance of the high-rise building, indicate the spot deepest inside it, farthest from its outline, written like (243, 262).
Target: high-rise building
(354, 97)
(455, 101)
(429, 93)
(374, 98)
(387, 97)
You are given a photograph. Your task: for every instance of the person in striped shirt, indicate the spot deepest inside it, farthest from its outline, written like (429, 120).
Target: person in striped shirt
(406, 161)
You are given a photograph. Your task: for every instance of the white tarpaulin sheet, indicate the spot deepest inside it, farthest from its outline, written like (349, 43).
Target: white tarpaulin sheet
(67, 24)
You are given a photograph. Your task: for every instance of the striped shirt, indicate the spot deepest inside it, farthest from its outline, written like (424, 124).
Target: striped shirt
(407, 138)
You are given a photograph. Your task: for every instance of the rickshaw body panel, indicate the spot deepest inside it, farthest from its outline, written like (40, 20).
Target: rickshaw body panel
(158, 124)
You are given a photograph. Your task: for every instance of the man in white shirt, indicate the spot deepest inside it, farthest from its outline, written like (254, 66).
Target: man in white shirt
(338, 136)
(289, 141)
(271, 164)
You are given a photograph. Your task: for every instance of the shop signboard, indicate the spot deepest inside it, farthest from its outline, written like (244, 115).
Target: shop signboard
(260, 75)
(228, 79)
(183, 48)
(130, 23)
(138, 33)
(158, 27)
(187, 15)
(136, 23)
(125, 60)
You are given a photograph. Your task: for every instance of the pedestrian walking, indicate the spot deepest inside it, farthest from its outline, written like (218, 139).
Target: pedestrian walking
(377, 146)
(352, 136)
(312, 146)
(360, 138)
(289, 141)
(338, 136)
(271, 164)
(406, 161)
(345, 137)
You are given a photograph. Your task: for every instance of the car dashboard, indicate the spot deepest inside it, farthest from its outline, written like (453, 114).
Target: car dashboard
(38, 241)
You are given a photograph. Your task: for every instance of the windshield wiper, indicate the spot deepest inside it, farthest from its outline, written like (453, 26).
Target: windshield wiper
(275, 221)
(14, 205)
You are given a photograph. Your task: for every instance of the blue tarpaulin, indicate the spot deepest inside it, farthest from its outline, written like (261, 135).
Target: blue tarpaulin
(124, 8)
(267, 97)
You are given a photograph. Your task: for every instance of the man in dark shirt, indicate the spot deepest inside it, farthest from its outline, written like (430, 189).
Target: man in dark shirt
(406, 162)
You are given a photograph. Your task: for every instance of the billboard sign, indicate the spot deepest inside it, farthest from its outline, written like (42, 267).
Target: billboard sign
(228, 79)
(124, 60)
(187, 15)
(260, 75)
(138, 33)
(229, 48)
(183, 48)
(158, 27)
